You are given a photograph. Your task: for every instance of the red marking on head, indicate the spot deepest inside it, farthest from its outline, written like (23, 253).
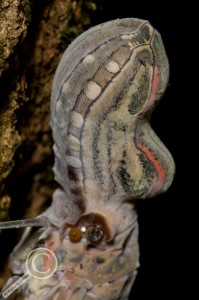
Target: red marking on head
(161, 174)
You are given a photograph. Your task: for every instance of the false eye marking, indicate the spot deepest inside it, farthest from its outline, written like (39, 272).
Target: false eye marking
(117, 75)
(106, 155)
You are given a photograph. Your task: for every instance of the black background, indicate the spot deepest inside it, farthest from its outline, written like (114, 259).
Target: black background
(165, 221)
(167, 261)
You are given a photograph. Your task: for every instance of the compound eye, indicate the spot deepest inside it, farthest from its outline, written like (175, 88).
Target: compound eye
(94, 233)
(75, 234)
(93, 227)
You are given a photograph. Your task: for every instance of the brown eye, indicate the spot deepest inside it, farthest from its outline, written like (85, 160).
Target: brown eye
(75, 234)
(94, 233)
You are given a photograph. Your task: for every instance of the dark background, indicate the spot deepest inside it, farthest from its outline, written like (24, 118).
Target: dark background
(167, 262)
(165, 221)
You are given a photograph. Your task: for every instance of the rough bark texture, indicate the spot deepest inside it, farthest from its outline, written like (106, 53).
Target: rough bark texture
(33, 36)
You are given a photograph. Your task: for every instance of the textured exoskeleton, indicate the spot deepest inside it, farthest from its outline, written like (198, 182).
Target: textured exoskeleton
(106, 156)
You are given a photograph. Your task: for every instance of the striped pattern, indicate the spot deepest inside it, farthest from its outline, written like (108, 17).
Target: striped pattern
(106, 83)
(106, 155)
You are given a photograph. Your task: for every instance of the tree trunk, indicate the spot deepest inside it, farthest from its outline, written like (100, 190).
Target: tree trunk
(33, 37)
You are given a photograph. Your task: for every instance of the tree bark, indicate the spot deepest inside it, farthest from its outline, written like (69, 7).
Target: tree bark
(33, 37)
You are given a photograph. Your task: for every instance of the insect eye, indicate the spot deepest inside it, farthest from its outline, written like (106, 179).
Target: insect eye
(75, 234)
(93, 227)
(94, 233)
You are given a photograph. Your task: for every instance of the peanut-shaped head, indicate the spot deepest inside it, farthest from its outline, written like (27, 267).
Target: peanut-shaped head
(106, 155)
(105, 88)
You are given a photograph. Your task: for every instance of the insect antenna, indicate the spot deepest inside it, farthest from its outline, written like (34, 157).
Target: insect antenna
(37, 222)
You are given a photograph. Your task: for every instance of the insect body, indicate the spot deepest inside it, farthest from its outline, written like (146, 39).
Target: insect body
(106, 156)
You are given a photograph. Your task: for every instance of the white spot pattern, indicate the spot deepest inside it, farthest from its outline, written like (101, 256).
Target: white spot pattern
(112, 66)
(76, 119)
(92, 90)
